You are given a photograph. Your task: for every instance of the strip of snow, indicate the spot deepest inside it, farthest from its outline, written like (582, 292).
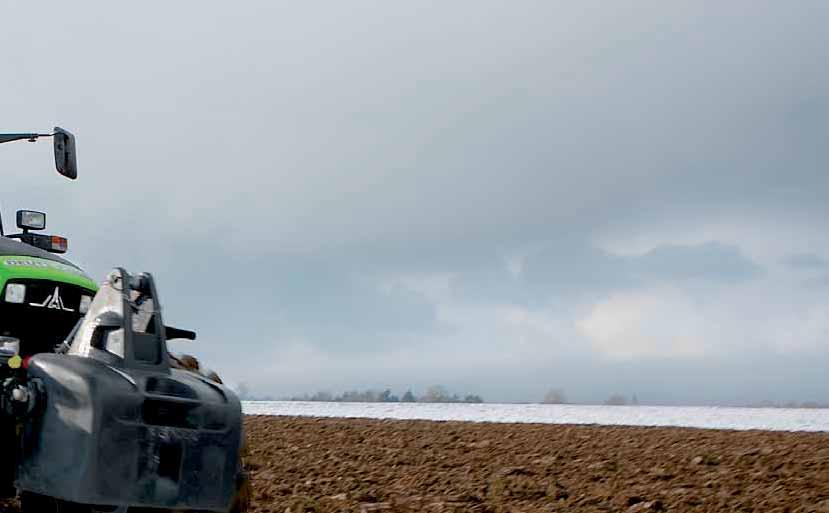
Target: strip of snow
(770, 419)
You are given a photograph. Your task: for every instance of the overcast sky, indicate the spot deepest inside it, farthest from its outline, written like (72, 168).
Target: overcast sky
(502, 197)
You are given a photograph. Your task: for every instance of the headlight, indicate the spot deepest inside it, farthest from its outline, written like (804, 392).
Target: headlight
(85, 302)
(15, 293)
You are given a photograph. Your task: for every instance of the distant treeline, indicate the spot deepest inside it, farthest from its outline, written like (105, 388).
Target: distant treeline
(557, 396)
(439, 394)
(434, 394)
(788, 404)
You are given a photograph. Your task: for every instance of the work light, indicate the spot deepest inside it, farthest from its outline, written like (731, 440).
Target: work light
(31, 220)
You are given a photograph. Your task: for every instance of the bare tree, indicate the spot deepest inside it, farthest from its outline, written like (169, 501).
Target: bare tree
(324, 397)
(616, 400)
(436, 394)
(555, 396)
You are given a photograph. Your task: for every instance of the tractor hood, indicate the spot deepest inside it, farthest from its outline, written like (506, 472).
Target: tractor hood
(21, 261)
(17, 248)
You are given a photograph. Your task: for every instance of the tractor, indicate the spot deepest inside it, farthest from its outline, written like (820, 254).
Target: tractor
(96, 414)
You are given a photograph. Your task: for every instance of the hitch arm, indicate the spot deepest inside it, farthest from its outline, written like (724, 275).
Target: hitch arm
(178, 333)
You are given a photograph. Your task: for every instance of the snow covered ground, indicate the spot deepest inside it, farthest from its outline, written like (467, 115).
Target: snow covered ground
(774, 419)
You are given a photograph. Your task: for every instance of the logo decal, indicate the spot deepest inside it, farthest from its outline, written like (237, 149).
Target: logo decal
(42, 264)
(53, 301)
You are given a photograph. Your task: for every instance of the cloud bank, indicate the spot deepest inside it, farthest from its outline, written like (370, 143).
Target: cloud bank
(495, 197)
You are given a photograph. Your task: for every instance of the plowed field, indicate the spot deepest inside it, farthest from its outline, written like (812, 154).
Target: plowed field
(322, 465)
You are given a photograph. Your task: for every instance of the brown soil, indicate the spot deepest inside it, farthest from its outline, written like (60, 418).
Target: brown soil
(322, 465)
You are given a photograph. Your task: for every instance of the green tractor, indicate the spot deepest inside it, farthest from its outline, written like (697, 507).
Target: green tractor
(102, 417)
(43, 295)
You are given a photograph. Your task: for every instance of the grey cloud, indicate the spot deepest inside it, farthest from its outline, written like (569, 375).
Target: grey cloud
(428, 135)
(570, 268)
(817, 283)
(712, 261)
(808, 261)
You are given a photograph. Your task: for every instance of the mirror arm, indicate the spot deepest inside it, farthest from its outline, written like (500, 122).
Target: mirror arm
(4, 138)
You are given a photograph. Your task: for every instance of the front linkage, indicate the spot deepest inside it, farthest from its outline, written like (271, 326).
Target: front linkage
(112, 419)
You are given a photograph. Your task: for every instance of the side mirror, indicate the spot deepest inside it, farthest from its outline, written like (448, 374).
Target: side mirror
(65, 153)
(31, 220)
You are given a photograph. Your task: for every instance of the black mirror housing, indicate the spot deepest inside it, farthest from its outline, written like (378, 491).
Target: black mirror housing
(65, 153)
